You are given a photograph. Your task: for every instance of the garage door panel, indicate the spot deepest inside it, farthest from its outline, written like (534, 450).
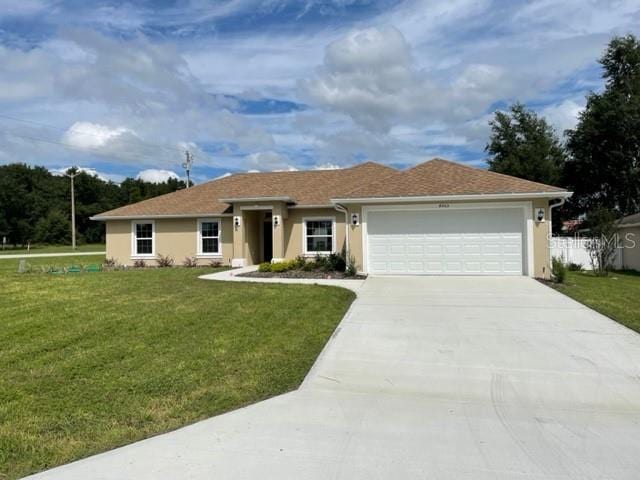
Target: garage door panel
(476, 242)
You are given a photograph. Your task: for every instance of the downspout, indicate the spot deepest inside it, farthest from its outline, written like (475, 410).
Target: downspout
(551, 207)
(347, 224)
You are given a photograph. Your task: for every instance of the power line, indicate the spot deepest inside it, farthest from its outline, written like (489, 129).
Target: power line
(61, 129)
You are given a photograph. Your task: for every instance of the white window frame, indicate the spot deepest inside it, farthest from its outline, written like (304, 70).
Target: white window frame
(200, 238)
(134, 238)
(304, 235)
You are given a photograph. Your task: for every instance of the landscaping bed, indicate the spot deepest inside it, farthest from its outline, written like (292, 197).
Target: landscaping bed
(319, 274)
(332, 266)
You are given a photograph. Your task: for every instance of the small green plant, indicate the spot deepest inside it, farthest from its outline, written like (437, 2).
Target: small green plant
(558, 269)
(165, 261)
(309, 266)
(265, 267)
(320, 261)
(300, 262)
(351, 270)
(280, 267)
(140, 263)
(110, 263)
(215, 263)
(574, 267)
(190, 262)
(336, 262)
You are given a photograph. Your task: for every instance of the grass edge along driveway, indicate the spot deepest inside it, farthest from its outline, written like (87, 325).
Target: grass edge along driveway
(617, 295)
(93, 361)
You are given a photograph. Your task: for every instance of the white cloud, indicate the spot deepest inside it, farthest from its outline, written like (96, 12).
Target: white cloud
(563, 115)
(327, 166)
(153, 175)
(268, 161)
(88, 136)
(107, 177)
(371, 76)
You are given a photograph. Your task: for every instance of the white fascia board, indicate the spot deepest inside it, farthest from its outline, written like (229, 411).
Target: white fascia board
(255, 199)
(629, 225)
(440, 198)
(153, 217)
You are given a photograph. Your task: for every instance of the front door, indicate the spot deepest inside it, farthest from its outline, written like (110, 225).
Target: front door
(267, 235)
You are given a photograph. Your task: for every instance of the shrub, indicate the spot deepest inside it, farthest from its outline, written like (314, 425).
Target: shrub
(320, 261)
(309, 266)
(110, 263)
(300, 262)
(603, 242)
(574, 267)
(215, 263)
(190, 262)
(558, 269)
(165, 261)
(279, 267)
(336, 262)
(140, 263)
(265, 267)
(351, 269)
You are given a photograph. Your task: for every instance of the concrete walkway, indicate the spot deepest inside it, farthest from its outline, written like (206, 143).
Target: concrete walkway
(430, 378)
(232, 276)
(45, 255)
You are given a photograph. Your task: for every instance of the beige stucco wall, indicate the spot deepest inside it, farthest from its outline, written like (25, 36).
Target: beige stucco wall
(631, 251)
(176, 237)
(293, 233)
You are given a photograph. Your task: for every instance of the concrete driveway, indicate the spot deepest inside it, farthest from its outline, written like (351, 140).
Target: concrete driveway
(435, 378)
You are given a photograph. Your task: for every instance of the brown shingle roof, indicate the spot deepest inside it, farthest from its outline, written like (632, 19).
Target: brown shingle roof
(436, 177)
(313, 187)
(439, 177)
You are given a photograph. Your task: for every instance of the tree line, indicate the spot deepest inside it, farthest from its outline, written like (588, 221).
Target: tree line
(35, 205)
(599, 159)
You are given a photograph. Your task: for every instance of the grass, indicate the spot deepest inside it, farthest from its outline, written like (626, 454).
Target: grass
(92, 247)
(616, 296)
(92, 361)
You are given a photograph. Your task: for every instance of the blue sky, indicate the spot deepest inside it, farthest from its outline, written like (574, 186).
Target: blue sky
(123, 88)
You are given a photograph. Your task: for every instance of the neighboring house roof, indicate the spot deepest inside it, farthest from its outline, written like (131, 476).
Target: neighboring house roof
(630, 220)
(439, 177)
(322, 187)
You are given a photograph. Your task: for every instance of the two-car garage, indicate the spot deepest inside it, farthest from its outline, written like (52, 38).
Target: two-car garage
(445, 239)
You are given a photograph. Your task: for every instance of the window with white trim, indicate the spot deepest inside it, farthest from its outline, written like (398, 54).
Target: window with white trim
(318, 235)
(143, 238)
(209, 237)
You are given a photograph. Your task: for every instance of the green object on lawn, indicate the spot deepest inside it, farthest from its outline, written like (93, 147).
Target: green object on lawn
(92, 268)
(74, 269)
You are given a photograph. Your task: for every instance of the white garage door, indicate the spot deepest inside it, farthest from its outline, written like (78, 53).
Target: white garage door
(446, 242)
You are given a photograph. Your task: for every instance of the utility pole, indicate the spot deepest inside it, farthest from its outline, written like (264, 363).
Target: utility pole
(187, 165)
(72, 173)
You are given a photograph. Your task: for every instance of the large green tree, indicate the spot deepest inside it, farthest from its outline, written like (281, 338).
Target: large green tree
(524, 145)
(35, 205)
(604, 165)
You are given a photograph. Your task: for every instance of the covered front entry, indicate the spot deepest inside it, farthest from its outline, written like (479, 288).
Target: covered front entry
(258, 234)
(446, 240)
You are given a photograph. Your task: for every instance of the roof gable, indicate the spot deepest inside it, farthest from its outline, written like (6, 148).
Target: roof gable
(438, 177)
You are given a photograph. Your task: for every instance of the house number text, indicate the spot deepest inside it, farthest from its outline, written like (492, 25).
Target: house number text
(443, 205)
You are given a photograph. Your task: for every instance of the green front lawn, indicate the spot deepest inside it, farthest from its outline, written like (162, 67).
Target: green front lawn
(616, 296)
(91, 247)
(91, 361)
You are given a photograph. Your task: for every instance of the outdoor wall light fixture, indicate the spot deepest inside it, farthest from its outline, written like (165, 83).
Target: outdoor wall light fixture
(355, 219)
(276, 220)
(236, 221)
(539, 214)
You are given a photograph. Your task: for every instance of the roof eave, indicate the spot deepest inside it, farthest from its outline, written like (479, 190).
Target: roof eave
(255, 199)
(152, 217)
(438, 198)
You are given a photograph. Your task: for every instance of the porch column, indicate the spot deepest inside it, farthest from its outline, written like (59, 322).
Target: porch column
(238, 259)
(279, 211)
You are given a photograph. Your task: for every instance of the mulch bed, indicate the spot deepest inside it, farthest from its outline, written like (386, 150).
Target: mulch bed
(314, 274)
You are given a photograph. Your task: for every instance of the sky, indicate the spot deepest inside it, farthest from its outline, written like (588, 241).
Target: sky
(123, 88)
